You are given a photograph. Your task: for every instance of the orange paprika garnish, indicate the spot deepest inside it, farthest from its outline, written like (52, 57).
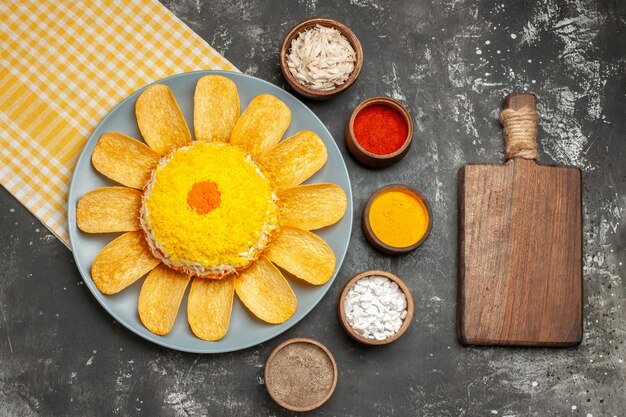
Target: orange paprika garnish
(204, 197)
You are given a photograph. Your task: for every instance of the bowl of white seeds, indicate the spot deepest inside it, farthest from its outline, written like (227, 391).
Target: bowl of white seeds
(320, 58)
(375, 307)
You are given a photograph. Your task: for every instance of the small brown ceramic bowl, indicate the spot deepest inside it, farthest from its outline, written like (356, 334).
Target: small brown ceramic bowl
(409, 308)
(379, 244)
(308, 92)
(269, 381)
(371, 159)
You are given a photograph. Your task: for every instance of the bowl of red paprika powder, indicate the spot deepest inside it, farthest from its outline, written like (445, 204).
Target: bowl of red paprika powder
(379, 132)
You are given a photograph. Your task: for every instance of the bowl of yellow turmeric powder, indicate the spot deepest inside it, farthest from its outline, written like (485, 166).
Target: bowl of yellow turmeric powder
(397, 219)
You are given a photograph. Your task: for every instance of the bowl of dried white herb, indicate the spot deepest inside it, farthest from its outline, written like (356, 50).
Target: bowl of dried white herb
(320, 58)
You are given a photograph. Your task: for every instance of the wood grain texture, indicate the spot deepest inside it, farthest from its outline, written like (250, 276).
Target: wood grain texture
(520, 254)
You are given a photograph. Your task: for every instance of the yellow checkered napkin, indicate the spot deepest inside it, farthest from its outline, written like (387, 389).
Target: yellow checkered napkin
(65, 65)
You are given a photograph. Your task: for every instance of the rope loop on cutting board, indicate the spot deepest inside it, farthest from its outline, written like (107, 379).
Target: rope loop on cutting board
(520, 133)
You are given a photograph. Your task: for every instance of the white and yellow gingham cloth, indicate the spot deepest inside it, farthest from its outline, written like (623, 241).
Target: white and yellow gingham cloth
(65, 65)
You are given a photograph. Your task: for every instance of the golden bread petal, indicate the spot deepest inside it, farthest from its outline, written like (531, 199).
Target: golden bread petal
(109, 209)
(311, 206)
(215, 108)
(160, 120)
(262, 125)
(294, 160)
(122, 262)
(124, 159)
(303, 254)
(266, 293)
(209, 306)
(160, 297)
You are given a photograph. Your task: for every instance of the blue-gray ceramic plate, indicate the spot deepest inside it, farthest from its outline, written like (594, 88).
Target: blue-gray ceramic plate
(245, 330)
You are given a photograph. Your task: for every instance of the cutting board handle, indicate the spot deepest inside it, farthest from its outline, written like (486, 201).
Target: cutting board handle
(519, 122)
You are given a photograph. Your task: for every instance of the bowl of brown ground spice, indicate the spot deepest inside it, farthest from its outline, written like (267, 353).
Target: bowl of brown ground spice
(300, 374)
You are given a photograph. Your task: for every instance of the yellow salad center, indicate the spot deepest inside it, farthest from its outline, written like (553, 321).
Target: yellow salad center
(208, 205)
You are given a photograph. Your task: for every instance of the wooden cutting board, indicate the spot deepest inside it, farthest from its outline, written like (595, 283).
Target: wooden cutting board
(520, 243)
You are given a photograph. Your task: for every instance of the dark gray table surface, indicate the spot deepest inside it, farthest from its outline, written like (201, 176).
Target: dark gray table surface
(451, 62)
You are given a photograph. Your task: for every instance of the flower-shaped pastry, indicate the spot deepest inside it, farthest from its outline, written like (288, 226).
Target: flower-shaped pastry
(225, 211)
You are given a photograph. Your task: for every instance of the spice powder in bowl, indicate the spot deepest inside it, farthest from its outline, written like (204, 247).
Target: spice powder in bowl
(321, 58)
(380, 129)
(300, 374)
(396, 219)
(379, 132)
